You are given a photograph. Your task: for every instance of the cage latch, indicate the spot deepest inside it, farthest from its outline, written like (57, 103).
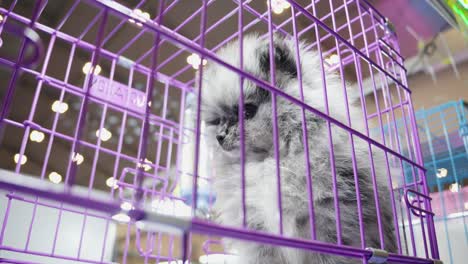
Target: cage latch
(417, 201)
(378, 256)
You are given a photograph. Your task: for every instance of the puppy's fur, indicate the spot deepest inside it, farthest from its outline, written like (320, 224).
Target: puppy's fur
(220, 97)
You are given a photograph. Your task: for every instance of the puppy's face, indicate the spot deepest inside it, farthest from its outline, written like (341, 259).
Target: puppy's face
(221, 93)
(223, 126)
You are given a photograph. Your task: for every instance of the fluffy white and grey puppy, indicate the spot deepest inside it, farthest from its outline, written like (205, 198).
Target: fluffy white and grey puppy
(220, 98)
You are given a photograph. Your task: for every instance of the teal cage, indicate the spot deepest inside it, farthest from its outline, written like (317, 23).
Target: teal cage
(443, 133)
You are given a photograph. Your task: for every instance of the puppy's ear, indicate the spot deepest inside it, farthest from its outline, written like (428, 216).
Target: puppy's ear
(285, 62)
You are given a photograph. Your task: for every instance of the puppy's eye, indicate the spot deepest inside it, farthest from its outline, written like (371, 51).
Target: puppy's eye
(249, 111)
(214, 122)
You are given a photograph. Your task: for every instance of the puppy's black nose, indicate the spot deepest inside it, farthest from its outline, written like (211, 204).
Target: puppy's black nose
(220, 138)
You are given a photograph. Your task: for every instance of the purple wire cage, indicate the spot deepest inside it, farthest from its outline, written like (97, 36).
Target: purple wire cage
(94, 132)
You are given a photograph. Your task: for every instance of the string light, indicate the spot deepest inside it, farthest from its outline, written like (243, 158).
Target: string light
(36, 136)
(103, 134)
(195, 61)
(16, 158)
(55, 177)
(278, 6)
(111, 182)
(59, 107)
(78, 158)
(87, 68)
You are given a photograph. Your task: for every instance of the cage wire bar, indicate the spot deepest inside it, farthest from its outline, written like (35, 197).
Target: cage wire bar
(142, 198)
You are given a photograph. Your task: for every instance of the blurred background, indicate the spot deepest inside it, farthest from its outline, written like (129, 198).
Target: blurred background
(433, 39)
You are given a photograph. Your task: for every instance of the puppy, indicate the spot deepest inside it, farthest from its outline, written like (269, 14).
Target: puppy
(220, 109)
